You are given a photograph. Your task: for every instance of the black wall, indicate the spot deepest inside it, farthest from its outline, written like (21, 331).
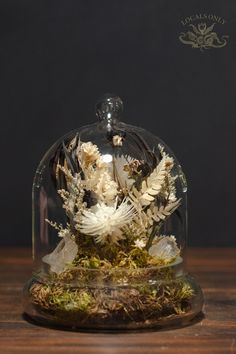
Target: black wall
(57, 57)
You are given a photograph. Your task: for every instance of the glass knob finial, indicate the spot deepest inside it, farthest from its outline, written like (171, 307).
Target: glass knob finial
(109, 108)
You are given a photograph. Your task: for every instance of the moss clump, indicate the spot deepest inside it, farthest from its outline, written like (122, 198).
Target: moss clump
(110, 258)
(104, 306)
(59, 298)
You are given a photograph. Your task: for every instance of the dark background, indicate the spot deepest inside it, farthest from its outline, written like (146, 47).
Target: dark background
(57, 57)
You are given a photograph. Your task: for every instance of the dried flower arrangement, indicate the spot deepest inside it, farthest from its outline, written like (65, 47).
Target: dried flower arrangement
(115, 208)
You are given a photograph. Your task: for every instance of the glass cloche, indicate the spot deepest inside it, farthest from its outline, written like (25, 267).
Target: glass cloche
(109, 230)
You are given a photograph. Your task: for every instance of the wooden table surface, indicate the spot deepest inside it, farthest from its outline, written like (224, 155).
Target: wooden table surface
(215, 332)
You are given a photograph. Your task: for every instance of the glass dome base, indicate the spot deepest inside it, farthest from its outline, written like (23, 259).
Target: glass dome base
(165, 297)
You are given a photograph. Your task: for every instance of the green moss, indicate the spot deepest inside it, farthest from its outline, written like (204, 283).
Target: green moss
(58, 298)
(87, 262)
(71, 301)
(103, 304)
(110, 257)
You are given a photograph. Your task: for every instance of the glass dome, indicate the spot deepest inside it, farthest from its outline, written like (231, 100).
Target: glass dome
(109, 230)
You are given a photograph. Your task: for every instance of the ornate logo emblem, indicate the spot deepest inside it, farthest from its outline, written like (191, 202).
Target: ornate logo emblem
(202, 37)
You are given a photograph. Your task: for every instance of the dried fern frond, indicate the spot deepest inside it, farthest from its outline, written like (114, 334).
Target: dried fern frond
(163, 211)
(140, 226)
(152, 186)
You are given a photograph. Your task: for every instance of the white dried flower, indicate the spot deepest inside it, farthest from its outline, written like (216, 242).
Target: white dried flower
(97, 177)
(105, 222)
(105, 188)
(117, 140)
(166, 248)
(102, 184)
(139, 243)
(88, 153)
